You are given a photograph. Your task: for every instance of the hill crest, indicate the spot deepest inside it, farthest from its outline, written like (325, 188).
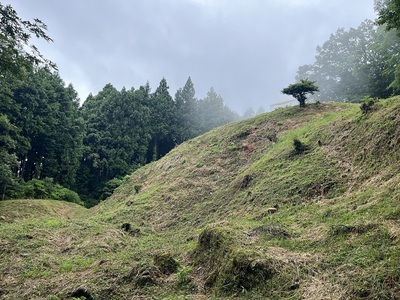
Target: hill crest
(241, 211)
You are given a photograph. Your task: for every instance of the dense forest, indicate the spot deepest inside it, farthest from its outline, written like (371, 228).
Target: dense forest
(90, 148)
(51, 146)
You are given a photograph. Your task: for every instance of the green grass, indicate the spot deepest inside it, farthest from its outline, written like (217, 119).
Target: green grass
(240, 211)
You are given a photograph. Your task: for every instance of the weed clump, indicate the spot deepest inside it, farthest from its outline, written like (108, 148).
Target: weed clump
(166, 263)
(246, 181)
(299, 147)
(272, 137)
(368, 104)
(340, 229)
(242, 271)
(128, 228)
(144, 275)
(183, 279)
(230, 269)
(215, 239)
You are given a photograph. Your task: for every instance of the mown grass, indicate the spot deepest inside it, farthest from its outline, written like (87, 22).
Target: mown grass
(241, 212)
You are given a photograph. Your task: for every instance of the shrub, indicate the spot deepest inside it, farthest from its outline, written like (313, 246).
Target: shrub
(64, 194)
(368, 105)
(299, 147)
(111, 185)
(45, 189)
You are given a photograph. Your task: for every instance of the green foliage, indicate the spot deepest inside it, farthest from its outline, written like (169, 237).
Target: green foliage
(212, 112)
(111, 185)
(367, 105)
(183, 276)
(62, 193)
(300, 89)
(163, 124)
(321, 223)
(249, 113)
(8, 159)
(356, 63)
(45, 189)
(186, 103)
(44, 133)
(127, 129)
(389, 13)
(299, 147)
(17, 53)
(117, 136)
(50, 120)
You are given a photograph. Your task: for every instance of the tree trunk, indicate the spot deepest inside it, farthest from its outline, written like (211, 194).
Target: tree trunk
(4, 191)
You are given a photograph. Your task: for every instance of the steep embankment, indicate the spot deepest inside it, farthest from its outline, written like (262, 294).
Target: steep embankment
(297, 203)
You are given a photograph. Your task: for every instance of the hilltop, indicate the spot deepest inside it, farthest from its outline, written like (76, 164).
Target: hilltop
(292, 204)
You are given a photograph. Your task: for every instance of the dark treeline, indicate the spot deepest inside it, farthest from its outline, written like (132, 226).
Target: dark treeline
(51, 147)
(129, 128)
(89, 149)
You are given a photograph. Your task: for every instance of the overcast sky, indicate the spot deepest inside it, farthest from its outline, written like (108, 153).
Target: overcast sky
(248, 50)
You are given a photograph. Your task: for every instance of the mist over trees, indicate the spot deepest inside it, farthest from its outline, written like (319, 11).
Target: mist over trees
(52, 147)
(355, 63)
(47, 135)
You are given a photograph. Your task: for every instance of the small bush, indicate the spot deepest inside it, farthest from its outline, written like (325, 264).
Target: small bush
(45, 189)
(368, 105)
(64, 194)
(299, 147)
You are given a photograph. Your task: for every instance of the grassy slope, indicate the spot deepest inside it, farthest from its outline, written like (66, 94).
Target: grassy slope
(208, 205)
